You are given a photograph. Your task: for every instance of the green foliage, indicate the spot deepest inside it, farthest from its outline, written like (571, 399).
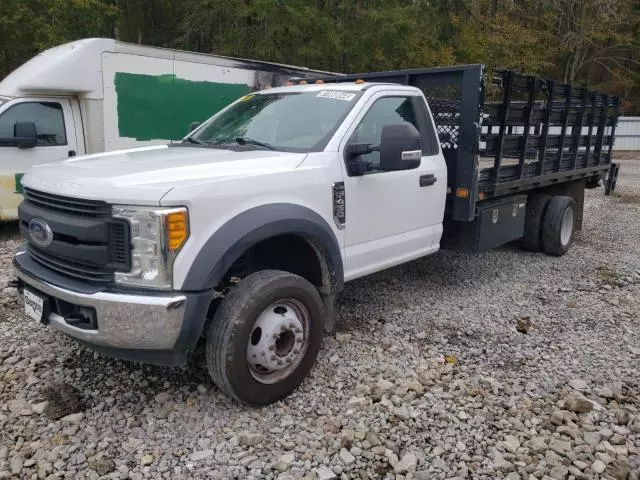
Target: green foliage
(30, 26)
(590, 42)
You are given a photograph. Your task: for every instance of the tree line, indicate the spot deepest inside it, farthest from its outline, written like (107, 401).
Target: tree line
(595, 43)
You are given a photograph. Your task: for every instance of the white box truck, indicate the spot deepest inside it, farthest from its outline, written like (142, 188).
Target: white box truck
(97, 95)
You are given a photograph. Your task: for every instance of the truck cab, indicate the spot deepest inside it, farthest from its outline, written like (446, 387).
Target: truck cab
(313, 184)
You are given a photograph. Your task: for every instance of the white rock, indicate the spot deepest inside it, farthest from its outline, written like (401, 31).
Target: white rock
(16, 463)
(201, 455)
(358, 402)
(73, 417)
(39, 408)
(17, 405)
(511, 443)
(579, 385)
(592, 438)
(343, 337)
(162, 397)
(346, 457)
(202, 389)
(407, 464)
(537, 444)
(559, 472)
(325, 473)
(598, 466)
(249, 439)
(285, 461)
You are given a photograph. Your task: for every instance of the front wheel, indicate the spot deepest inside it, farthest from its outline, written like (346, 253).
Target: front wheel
(265, 336)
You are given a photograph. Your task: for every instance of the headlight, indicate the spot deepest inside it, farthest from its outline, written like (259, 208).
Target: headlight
(157, 234)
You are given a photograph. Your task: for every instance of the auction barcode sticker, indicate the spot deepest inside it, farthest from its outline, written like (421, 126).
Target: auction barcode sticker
(337, 95)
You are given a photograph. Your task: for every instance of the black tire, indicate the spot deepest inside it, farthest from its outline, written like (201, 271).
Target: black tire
(531, 241)
(552, 232)
(232, 326)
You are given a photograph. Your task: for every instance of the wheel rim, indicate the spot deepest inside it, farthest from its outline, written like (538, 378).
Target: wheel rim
(278, 341)
(567, 226)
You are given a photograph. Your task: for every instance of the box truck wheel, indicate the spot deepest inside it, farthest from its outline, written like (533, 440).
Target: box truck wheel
(532, 238)
(265, 336)
(558, 225)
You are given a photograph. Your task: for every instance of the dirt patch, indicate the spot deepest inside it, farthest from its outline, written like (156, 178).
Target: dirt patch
(629, 198)
(608, 276)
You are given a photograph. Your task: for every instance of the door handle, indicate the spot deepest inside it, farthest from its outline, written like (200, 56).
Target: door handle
(427, 180)
(72, 153)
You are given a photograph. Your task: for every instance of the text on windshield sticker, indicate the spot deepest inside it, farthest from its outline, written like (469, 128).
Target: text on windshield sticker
(346, 96)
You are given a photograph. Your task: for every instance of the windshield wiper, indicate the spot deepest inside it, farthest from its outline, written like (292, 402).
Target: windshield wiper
(251, 141)
(197, 141)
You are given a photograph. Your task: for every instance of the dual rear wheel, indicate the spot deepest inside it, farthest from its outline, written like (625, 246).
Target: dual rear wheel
(549, 224)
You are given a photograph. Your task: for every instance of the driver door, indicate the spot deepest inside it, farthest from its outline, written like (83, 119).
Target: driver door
(392, 216)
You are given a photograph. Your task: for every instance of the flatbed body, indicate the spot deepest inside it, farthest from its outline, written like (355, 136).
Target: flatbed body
(536, 134)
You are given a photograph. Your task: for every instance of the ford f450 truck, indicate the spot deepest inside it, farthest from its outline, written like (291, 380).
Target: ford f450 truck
(244, 233)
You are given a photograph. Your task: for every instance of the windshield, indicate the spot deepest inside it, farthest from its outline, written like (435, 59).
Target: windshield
(292, 121)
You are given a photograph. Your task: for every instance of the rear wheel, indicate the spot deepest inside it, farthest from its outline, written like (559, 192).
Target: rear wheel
(532, 238)
(558, 225)
(265, 336)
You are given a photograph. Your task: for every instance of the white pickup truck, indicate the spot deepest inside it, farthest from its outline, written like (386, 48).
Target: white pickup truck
(244, 233)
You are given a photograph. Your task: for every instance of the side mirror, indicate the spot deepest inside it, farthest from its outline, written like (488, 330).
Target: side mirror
(193, 126)
(355, 149)
(25, 134)
(355, 166)
(400, 147)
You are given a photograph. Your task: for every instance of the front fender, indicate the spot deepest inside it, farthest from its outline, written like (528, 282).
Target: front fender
(252, 226)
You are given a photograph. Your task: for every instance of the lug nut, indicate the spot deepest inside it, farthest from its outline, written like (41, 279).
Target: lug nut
(280, 362)
(273, 357)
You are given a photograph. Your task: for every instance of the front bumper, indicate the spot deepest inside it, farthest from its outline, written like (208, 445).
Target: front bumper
(147, 327)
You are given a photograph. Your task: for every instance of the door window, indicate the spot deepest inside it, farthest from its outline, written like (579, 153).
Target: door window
(383, 112)
(47, 116)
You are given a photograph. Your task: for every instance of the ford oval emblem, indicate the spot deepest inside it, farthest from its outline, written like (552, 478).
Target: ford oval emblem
(40, 233)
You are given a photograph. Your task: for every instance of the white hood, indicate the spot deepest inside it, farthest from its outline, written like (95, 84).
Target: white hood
(145, 175)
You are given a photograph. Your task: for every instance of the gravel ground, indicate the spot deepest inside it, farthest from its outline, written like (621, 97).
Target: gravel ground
(501, 365)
